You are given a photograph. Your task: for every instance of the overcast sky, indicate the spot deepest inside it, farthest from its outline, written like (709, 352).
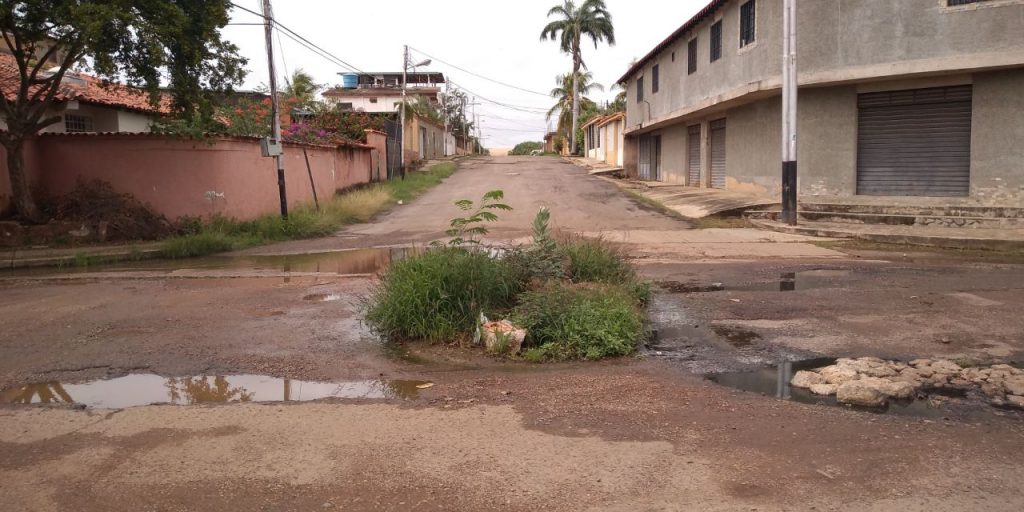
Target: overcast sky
(499, 40)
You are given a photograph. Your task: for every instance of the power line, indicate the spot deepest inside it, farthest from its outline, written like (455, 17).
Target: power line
(521, 108)
(295, 36)
(499, 82)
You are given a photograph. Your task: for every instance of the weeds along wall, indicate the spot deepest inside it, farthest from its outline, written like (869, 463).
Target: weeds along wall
(195, 177)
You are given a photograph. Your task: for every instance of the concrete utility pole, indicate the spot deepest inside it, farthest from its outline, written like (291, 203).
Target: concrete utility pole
(405, 69)
(274, 146)
(444, 113)
(789, 95)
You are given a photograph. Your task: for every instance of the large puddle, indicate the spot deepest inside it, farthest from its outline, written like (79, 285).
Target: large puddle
(355, 261)
(774, 381)
(145, 389)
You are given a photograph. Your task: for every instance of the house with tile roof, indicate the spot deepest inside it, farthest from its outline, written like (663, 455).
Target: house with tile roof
(87, 104)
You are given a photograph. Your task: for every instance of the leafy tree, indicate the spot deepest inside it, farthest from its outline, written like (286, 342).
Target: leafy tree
(146, 43)
(564, 94)
(525, 148)
(590, 19)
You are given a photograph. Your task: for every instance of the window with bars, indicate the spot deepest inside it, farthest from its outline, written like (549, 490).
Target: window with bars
(691, 57)
(654, 79)
(716, 41)
(74, 123)
(639, 89)
(748, 19)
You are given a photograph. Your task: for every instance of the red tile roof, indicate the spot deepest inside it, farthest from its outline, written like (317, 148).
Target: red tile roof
(86, 89)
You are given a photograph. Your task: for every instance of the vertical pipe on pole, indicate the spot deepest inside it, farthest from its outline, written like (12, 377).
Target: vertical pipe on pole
(405, 69)
(789, 117)
(275, 119)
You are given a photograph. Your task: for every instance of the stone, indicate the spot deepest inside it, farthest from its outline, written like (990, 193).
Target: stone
(824, 389)
(900, 390)
(879, 371)
(867, 392)
(838, 374)
(1014, 385)
(917, 363)
(992, 389)
(805, 379)
(1015, 401)
(945, 366)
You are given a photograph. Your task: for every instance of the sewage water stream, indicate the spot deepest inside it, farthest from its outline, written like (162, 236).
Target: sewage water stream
(145, 389)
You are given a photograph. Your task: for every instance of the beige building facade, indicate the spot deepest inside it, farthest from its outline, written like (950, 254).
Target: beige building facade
(912, 102)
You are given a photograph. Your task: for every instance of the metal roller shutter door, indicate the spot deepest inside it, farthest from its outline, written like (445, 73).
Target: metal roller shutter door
(693, 156)
(914, 143)
(718, 153)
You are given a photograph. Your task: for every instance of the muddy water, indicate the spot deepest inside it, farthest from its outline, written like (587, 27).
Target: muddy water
(786, 282)
(774, 381)
(355, 261)
(144, 389)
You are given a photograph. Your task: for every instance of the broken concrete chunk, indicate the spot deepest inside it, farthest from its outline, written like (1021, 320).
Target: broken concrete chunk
(824, 389)
(866, 392)
(1015, 401)
(838, 374)
(1014, 385)
(805, 379)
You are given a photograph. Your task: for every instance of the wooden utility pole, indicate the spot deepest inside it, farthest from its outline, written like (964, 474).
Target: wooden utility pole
(789, 104)
(274, 145)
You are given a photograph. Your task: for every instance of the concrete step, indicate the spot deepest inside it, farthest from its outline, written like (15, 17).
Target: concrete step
(906, 219)
(999, 212)
(952, 238)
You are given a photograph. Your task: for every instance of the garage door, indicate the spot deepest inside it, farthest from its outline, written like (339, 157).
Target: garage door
(649, 167)
(693, 156)
(914, 143)
(718, 153)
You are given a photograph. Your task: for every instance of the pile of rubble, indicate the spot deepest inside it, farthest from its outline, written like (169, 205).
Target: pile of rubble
(872, 382)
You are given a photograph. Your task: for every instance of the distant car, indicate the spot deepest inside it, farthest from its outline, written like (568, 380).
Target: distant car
(537, 152)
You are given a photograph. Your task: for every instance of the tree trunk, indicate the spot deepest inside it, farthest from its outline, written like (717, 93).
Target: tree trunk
(575, 101)
(21, 193)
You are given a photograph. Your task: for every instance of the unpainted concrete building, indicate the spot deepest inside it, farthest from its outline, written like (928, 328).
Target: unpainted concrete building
(902, 102)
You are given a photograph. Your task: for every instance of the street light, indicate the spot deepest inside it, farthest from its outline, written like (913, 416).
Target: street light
(405, 70)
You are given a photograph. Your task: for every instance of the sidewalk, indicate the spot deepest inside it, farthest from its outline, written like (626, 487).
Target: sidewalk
(693, 202)
(950, 238)
(21, 257)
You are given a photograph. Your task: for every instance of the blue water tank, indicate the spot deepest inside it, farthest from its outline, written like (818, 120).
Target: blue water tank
(349, 81)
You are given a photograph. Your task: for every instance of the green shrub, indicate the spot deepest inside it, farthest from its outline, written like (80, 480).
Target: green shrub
(199, 244)
(440, 294)
(590, 321)
(597, 261)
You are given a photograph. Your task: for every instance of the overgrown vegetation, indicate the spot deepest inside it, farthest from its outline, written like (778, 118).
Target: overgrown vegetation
(439, 295)
(201, 237)
(578, 298)
(579, 321)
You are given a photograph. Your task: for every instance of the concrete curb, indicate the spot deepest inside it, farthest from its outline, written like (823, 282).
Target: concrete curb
(65, 258)
(947, 242)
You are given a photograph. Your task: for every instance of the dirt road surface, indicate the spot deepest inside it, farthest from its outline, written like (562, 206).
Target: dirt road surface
(643, 433)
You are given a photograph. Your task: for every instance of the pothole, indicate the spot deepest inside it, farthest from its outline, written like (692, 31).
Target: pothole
(145, 389)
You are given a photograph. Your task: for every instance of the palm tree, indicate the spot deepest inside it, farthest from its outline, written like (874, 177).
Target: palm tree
(302, 87)
(590, 19)
(564, 94)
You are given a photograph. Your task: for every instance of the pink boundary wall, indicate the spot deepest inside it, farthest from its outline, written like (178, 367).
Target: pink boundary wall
(177, 177)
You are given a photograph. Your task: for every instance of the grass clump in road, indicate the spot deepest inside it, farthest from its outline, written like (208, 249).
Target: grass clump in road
(577, 298)
(439, 295)
(220, 234)
(579, 321)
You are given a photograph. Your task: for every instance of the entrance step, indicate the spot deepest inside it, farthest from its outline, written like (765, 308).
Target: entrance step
(999, 212)
(945, 220)
(946, 237)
